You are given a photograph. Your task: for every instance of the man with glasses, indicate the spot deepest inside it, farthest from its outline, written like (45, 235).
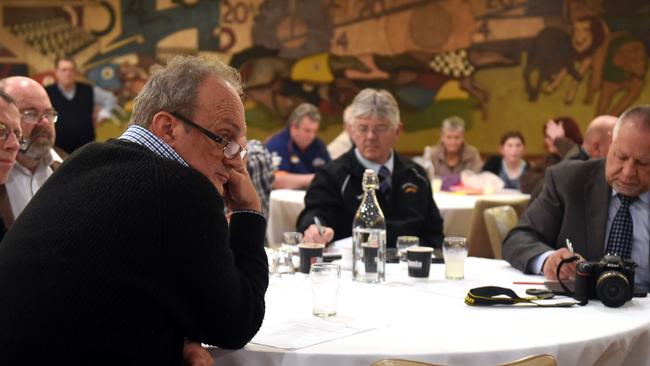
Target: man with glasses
(405, 194)
(601, 206)
(125, 253)
(10, 136)
(38, 160)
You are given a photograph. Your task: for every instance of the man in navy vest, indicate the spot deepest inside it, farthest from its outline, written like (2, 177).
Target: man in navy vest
(75, 102)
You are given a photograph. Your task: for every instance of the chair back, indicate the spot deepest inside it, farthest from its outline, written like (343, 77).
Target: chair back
(498, 221)
(399, 362)
(478, 239)
(534, 360)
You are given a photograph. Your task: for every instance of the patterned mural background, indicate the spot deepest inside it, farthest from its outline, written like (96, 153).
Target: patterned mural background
(499, 64)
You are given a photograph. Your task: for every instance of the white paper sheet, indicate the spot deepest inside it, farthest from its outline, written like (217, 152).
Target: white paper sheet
(301, 333)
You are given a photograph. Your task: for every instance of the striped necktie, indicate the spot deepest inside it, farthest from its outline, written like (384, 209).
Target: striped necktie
(384, 180)
(620, 234)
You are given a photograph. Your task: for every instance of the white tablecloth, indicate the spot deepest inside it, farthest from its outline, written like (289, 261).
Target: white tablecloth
(456, 210)
(426, 320)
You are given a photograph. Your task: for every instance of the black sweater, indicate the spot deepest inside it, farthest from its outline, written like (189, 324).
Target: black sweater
(75, 126)
(122, 254)
(335, 194)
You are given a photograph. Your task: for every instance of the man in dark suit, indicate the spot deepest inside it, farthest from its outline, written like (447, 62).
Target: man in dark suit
(581, 201)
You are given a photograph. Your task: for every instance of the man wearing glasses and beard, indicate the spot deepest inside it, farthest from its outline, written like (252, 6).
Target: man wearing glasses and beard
(36, 160)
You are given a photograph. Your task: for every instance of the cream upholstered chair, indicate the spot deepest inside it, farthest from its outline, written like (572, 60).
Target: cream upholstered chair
(478, 239)
(498, 221)
(534, 360)
(399, 362)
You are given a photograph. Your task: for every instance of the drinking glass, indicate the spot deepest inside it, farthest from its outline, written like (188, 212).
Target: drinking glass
(454, 250)
(282, 262)
(403, 243)
(324, 279)
(291, 239)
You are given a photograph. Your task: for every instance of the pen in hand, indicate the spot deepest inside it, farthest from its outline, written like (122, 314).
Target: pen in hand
(319, 225)
(569, 245)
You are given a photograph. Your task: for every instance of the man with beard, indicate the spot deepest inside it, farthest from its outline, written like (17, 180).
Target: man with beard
(36, 159)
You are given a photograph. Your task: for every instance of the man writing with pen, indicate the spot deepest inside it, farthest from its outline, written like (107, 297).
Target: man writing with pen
(404, 194)
(601, 206)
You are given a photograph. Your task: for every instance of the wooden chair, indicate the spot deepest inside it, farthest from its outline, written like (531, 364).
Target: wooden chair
(478, 239)
(498, 221)
(534, 360)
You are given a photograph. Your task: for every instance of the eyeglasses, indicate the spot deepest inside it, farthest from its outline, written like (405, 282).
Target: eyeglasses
(378, 130)
(33, 117)
(230, 148)
(5, 132)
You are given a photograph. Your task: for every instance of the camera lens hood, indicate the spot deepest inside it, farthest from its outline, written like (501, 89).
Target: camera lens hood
(613, 288)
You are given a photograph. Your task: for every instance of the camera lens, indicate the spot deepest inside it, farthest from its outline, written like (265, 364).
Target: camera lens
(613, 289)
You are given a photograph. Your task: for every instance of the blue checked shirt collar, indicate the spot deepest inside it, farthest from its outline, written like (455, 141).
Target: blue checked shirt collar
(144, 137)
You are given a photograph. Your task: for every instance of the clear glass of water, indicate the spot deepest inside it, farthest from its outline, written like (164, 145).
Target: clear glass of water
(291, 239)
(454, 250)
(324, 279)
(403, 243)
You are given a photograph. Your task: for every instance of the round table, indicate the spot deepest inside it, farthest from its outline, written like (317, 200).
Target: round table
(427, 320)
(456, 210)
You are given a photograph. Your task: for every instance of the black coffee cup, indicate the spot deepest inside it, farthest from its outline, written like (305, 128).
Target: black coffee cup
(370, 258)
(310, 253)
(419, 261)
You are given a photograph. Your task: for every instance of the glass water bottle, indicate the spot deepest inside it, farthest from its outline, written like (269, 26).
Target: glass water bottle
(369, 234)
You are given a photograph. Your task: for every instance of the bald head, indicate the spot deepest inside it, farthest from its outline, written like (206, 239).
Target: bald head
(36, 115)
(26, 91)
(597, 136)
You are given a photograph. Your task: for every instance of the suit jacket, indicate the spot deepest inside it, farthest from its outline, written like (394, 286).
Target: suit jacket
(573, 205)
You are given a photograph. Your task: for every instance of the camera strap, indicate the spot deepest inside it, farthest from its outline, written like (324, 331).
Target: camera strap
(559, 268)
(494, 295)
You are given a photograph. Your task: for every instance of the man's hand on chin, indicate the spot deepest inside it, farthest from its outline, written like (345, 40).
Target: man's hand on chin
(195, 355)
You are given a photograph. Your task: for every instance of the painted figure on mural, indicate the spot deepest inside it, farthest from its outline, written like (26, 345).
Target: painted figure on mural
(438, 58)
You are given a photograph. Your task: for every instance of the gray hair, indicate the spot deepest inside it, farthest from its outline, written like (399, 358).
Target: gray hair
(175, 87)
(304, 110)
(375, 103)
(639, 113)
(347, 115)
(454, 123)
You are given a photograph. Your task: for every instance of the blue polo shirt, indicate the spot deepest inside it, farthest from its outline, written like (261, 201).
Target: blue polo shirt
(294, 160)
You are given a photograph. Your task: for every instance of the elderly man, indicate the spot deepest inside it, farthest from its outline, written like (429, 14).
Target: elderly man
(10, 135)
(597, 138)
(76, 104)
(602, 206)
(453, 155)
(301, 151)
(405, 195)
(38, 160)
(126, 252)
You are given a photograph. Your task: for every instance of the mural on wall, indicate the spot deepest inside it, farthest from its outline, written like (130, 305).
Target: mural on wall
(483, 60)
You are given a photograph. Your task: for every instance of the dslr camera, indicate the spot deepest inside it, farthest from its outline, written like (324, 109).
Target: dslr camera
(611, 280)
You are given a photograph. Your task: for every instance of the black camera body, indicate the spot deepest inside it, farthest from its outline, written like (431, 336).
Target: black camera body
(611, 281)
